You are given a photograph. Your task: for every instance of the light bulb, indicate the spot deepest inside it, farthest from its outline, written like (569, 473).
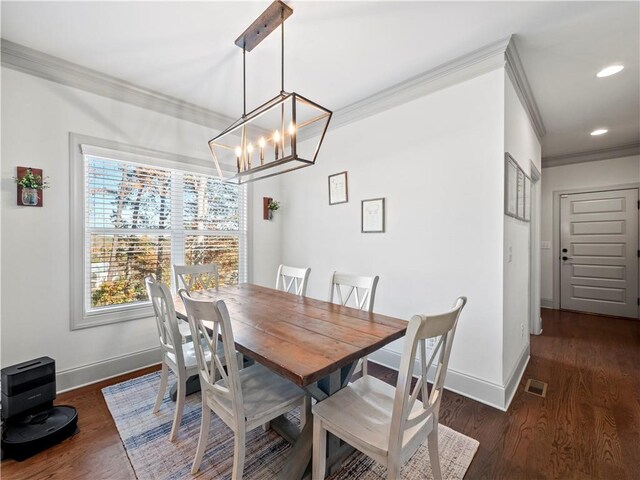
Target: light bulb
(599, 131)
(292, 128)
(276, 136)
(612, 70)
(261, 142)
(250, 148)
(238, 151)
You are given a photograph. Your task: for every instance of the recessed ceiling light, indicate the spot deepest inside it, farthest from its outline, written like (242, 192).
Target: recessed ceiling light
(611, 70)
(599, 131)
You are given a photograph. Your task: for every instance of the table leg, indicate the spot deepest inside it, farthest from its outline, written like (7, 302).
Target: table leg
(331, 385)
(300, 454)
(193, 386)
(193, 382)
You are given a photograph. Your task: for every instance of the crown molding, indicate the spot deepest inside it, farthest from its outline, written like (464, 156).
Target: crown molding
(592, 156)
(516, 73)
(499, 54)
(463, 68)
(43, 65)
(502, 53)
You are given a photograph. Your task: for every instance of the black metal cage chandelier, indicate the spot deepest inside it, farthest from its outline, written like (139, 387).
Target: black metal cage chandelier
(291, 120)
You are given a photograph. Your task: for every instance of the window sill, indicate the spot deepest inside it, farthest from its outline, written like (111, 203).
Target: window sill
(109, 317)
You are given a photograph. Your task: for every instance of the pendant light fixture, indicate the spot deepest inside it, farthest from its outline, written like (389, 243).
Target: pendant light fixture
(278, 136)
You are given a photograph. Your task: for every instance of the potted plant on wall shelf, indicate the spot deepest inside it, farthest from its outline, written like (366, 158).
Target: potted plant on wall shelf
(31, 184)
(273, 206)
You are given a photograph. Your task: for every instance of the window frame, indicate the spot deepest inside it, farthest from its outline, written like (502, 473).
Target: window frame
(81, 145)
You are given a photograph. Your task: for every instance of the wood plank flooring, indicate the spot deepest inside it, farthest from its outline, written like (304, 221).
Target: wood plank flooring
(588, 426)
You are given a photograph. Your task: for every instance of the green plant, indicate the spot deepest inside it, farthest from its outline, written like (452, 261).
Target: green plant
(31, 180)
(273, 205)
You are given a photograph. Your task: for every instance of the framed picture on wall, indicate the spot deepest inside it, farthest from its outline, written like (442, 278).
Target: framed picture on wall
(521, 187)
(527, 198)
(510, 186)
(373, 215)
(338, 189)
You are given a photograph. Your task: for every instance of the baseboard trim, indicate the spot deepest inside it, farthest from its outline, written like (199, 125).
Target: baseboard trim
(475, 388)
(77, 377)
(516, 375)
(546, 303)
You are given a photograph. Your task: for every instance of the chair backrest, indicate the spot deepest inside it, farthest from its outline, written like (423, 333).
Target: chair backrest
(199, 310)
(361, 290)
(166, 320)
(422, 327)
(196, 277)
(292, 279)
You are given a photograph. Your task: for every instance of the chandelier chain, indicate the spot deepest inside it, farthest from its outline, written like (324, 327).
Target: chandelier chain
(244, 82)
(282, 52)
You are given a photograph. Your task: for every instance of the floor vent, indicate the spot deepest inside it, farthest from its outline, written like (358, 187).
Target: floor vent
(536, 387)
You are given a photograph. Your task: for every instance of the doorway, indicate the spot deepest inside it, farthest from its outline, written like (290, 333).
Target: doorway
(535, 319)
(599, 252)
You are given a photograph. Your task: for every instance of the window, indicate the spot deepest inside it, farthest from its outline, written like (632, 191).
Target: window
(141, 216)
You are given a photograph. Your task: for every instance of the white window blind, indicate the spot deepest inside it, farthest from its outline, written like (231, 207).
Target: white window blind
(141, 217)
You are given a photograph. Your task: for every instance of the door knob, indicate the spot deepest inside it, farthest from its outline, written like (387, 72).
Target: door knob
(564, 250)
(565, 258)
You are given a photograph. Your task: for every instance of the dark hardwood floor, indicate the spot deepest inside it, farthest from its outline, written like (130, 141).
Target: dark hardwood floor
(588, 426)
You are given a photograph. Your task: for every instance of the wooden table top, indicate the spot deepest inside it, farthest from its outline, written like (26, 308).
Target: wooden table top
(301, 338)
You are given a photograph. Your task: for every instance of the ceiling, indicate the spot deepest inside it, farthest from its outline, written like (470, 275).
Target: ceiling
(340, 52)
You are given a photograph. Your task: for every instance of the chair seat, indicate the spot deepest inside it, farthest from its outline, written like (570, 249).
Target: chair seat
(189, 354)
(361, 412)
(263, 392)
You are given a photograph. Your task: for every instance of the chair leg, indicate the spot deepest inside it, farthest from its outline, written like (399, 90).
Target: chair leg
(238, 454)
(393, 468)
(364, 366)
(266, 426)
(319, 461)
(205, 423)
(164, 378)
(177, 417)
(434, 457)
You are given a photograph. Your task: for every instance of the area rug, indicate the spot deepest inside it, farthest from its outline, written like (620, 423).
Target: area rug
(145, 437)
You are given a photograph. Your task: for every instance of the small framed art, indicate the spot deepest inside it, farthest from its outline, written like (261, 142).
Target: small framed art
(510, 186)
(527, 199)
(338, 188)
(373, 215)
(521, 186)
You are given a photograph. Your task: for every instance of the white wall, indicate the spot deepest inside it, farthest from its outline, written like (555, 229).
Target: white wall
(523, 145)
(37, 118)
(603, 173)
(265, 251)
(438, 161)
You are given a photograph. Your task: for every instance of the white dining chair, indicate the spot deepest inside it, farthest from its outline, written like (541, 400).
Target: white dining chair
(196, 277)
(292, 279)
(243, 399)
(384, 422)
(360, 290)
(176, 355)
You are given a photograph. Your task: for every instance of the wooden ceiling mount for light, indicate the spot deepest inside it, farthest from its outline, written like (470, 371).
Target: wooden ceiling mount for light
(267, 22)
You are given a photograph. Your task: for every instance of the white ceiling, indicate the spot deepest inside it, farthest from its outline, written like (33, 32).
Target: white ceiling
(340, 52)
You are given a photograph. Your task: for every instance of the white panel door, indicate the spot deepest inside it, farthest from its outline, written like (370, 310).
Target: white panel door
(599, 252)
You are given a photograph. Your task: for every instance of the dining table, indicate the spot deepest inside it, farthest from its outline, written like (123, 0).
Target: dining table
(313, 343)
